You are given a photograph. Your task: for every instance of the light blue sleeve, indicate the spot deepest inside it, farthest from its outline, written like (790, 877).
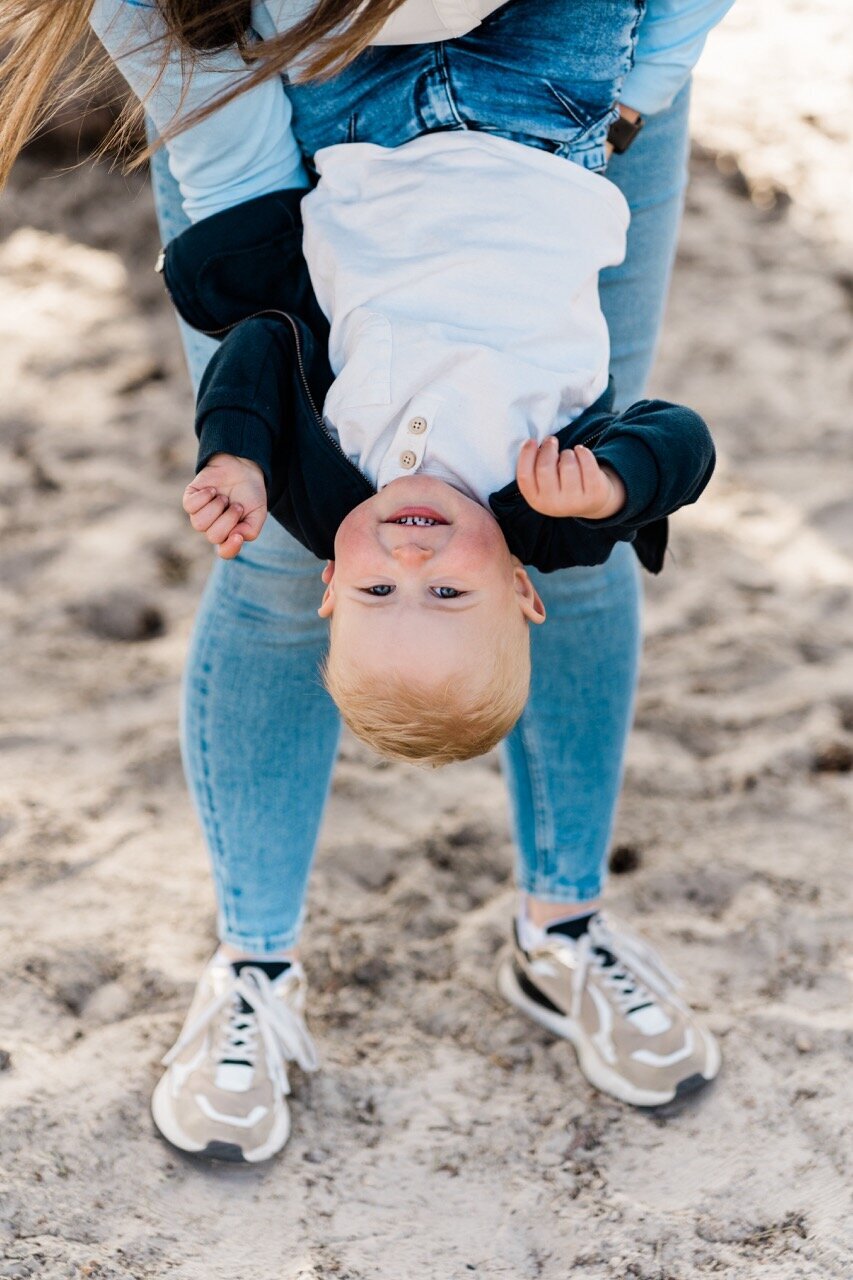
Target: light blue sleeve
(244, 149)
(671, 38)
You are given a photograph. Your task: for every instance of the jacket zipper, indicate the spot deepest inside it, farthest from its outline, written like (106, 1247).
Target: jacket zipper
(592, 439)
(336, 444)
(272, 311)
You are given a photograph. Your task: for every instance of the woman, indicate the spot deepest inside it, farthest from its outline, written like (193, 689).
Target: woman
(260, 734)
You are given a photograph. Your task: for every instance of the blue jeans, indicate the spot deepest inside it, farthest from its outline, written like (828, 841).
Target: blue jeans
(259, 732)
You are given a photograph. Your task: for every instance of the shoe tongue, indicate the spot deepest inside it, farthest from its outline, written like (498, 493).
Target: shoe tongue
(272, 968)
(573, 926)
(234, 1073)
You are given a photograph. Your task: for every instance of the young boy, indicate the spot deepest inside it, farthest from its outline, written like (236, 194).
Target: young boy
(431, 410)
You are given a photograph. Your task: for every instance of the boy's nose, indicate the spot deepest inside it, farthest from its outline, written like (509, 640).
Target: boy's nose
(411, 555)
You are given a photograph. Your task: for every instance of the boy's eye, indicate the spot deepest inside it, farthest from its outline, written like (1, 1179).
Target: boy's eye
(446, 593)
(381, 589)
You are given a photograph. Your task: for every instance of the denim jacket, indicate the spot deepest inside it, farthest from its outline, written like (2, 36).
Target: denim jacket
(240, 275)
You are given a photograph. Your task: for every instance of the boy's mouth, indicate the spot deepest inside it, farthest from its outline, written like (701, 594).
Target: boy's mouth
(417, 517)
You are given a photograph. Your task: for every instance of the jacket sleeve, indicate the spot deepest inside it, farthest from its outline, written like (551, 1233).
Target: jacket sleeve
(664, 455)
(242, 150)
(670, 40)
(243, 403)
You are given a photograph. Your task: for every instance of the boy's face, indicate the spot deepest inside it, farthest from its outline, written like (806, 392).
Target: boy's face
(423, 597)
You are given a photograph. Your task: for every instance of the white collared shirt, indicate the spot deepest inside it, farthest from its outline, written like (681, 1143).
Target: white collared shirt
(460, 277)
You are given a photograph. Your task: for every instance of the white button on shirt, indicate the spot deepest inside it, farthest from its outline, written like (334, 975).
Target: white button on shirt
(459, 274)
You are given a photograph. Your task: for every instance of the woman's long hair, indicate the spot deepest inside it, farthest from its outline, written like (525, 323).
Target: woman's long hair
(48, 53)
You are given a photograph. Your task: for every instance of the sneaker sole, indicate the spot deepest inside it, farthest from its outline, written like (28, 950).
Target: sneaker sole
(216, 1150)
(597, 1072)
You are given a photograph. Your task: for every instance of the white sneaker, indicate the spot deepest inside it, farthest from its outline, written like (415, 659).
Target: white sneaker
(612, 997)
(224, 1095)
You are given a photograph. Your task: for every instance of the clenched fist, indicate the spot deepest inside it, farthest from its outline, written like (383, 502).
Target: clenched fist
(567, 482)
(227, 502)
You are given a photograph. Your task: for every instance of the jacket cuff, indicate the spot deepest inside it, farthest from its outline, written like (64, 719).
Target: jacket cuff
(636, 467)
(650, 88)
(234, 431)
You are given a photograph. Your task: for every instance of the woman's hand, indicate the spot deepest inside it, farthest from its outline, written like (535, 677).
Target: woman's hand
(567, 482)
(227, 502)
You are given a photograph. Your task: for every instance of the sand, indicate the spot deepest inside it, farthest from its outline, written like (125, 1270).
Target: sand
(444, 1137)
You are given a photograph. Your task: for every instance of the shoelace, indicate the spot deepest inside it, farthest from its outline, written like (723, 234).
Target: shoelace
(239, 1034)
(282, 1030)
(638, 974)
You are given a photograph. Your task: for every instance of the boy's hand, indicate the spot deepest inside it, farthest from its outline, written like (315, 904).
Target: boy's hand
(567, 482)
(227, 502)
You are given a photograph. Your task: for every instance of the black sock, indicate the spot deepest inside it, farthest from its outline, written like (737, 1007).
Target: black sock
(574, 927)
(272, 968)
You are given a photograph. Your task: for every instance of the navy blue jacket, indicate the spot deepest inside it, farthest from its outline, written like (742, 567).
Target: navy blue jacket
(240, 275)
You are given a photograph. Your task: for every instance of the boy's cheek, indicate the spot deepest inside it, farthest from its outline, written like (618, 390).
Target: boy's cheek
(351, 536)
(484, 553)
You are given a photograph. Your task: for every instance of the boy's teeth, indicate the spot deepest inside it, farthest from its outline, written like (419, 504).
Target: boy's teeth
(418, 520)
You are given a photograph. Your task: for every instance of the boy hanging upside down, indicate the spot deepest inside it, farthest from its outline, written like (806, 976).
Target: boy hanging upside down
(430, 411)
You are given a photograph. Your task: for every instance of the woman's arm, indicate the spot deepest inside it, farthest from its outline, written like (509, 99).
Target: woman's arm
(671, 38)
(244, 149)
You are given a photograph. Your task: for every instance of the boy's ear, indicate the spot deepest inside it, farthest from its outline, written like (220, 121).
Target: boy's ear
(529, 598)
(328, 605)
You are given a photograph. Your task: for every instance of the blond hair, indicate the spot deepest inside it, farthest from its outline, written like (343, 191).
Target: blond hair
(47, 54)
(433, 724)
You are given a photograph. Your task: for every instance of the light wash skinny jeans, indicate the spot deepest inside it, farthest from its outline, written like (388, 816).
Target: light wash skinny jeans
(259, 732)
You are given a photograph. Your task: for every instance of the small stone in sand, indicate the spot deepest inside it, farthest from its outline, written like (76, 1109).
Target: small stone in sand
(833, 757)
(625, 858)
(120, 615)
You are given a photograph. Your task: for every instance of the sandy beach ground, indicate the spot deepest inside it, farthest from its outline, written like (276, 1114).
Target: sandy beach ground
(443, 1138)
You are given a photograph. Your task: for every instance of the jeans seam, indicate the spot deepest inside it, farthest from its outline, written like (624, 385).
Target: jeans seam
(209, 820)
(640, 9)
(444, 76)
(543, 826)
